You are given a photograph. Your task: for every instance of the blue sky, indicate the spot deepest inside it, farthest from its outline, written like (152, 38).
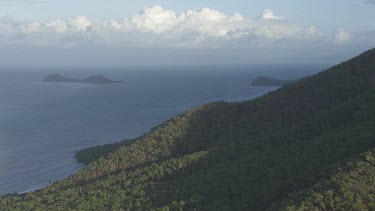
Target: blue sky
(237, 31)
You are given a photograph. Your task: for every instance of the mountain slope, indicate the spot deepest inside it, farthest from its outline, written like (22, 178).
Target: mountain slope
(236, 156)
(351, 187)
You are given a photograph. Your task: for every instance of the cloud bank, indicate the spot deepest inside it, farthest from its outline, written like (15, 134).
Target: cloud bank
(159, 36)
(159, 27)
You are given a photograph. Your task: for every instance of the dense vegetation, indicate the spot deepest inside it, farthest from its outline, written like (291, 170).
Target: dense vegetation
(91, 154)
(309, 145)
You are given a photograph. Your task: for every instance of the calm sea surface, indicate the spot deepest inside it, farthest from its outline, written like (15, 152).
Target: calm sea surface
(43, 124)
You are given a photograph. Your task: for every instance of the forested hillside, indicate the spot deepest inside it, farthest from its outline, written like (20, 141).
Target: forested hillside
(309, 145)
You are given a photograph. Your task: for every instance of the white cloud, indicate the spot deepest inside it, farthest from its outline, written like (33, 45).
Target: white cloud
(268, 15)
(57, 25)
(312, 30)
(155, 19)
(159, 27)
(30, 27)
(80, 23)
(342, 37)
(114, 24)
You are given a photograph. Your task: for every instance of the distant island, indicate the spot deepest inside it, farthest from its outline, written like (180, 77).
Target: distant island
(265, 81)
(94, 79)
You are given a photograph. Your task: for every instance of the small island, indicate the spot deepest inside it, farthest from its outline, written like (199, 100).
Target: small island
(95, 79)
(265, 81)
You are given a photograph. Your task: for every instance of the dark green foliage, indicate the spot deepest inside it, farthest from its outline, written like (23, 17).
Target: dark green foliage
(91, 154)
(309, 145)
(351, 187)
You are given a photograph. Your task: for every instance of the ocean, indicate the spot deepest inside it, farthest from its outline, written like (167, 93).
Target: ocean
(42, 125)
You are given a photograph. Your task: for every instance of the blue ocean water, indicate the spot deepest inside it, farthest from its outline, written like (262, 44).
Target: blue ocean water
(43, 124)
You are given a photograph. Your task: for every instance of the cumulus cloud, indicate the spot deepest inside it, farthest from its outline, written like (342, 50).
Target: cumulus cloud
(155, 19)
(30, 27)
(268, 15)
(159, 27)
(57, 25)
(80, 23)
(342, 37)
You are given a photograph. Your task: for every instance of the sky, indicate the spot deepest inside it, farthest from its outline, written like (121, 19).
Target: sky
(116, 33)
